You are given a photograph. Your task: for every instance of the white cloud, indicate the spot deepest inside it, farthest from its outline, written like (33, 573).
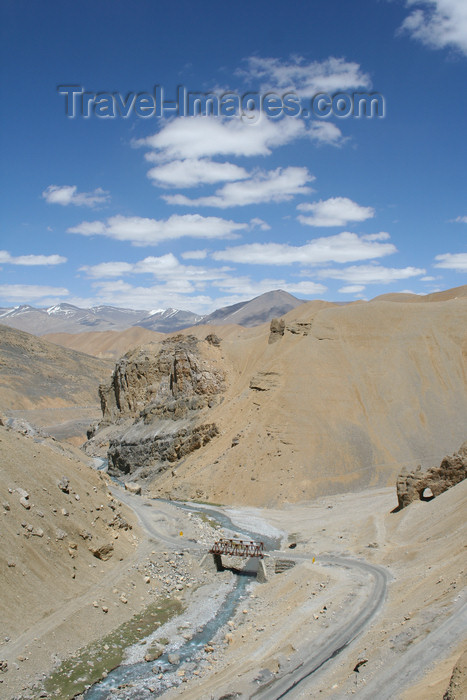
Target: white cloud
(164, 267)
(371, 274)
(192, 172)
(265, 186)
(452, 261)
(30, 292)
(341, 248)
(352, 289)
(381, 236)
(336, 211)
(192, 138)
(30, 260)
(178, 294)
(195, 254)
(460, 220)
(305, 78)
(438, 23)
(142, 231)
(251, 288)
(68, 194)
(184, 294)
(325, 133)
(428, 278)
(201, 137)
(256, 221)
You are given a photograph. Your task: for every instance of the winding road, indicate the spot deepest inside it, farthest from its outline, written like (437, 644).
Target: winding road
(374, 578)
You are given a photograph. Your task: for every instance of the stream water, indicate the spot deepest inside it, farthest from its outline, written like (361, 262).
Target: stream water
(141, 675)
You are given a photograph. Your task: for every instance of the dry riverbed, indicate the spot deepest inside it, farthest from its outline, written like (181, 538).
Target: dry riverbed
(275, 628)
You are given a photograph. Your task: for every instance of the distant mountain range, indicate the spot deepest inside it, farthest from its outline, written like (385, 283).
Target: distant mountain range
(66, 318)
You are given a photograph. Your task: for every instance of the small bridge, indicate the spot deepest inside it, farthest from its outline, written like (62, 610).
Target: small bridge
(253, 551)
(238, 548)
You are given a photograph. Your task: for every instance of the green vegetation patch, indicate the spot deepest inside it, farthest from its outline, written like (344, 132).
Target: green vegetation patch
(89, 664)
(208, 520)
(206, 503)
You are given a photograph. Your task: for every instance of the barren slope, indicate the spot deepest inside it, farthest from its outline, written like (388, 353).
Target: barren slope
(340, 402)
(38, 374)
(45, 558)
(105, 344)
(454, 293)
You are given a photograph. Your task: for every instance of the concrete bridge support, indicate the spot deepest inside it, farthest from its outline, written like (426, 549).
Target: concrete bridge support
(212, 562)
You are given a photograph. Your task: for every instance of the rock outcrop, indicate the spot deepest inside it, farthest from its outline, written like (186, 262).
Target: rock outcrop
(411, 486)
(276, 330)
(160, 396)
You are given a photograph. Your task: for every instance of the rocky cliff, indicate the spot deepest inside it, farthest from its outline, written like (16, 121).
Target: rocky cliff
(411, 486)
(156, 405)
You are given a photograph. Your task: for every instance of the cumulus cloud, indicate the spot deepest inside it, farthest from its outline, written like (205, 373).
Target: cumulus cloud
(192, 138)
(30, 260)
(336, 211)
(68, 194)
(452, 261)
(192, 172)
(352, 289)
(438, 23)
(370, 274)
(256, 221)
(306, 78)
(195, 254)
(143, 231)
(325, 133)
(30, 292)
(254, 288)
(164, 267)
(178, 294)
(342, 248)
(265, 186)
(201, 137)
(183, 293)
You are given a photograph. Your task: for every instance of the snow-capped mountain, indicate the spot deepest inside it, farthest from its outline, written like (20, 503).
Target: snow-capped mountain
(169, 320)
(66, 318)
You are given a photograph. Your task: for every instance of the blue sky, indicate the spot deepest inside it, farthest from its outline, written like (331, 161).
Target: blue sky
(197, 212)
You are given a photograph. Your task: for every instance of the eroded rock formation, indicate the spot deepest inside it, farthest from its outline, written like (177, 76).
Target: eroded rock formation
(276, 330)
(160, 395)
(411, 485)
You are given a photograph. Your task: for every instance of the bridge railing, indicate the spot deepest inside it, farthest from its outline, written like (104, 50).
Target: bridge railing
(238, 548)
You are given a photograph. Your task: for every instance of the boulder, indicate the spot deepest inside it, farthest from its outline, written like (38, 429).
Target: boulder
(64, 484)
(103, 552)
(411, 486)
(154, 652)
(213, 339)
(133, 487)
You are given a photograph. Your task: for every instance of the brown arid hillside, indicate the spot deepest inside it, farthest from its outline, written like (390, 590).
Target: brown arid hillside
(340, 401)
(454, 293)
(49, 387)
(38, 374)
(55, 511)
(105, 344)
